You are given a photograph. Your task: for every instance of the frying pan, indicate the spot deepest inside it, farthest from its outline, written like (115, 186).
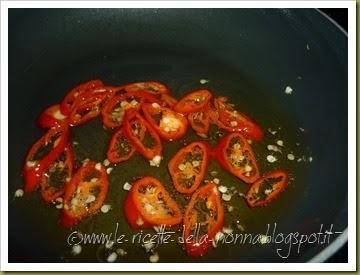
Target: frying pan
(250, 55)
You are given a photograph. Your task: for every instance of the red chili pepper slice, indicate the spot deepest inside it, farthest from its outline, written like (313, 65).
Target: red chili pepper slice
(88, 105)
(150, 146)
(234, 154)
(148, 86)
(148, 204)
(204, 214)
(194, 101)
(57, 175)
(169, 100)
(66, 105)
(226, 117)
(267, 188)
(51, 117)
(84, 194)
(114, 110)
(169, 124)
(187, 168)
(42, 153)
(200, 121)
(120, 147)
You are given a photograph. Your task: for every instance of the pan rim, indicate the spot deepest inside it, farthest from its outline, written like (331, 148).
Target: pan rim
(331, 249)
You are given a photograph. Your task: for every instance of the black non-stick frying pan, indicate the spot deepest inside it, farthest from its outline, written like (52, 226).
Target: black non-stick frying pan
(250, 55)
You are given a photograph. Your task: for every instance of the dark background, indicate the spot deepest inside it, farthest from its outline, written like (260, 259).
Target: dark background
(341, 17)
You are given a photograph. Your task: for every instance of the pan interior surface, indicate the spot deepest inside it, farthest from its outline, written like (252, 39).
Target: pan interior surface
(248, 55)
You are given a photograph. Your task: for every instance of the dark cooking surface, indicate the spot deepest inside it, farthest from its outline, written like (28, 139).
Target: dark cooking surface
(236, 49)
(341, 17)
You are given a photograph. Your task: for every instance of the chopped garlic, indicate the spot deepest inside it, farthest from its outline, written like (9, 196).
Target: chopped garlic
(90, 199)
(98, 166)
(85, 160)
(59, 206)
(264, 239)
(75, 143)
(213, 173)
(280, 143)
(93, 180)
(134, 102)
(222, 189)
(182, 166)
(227, 230)
(308, 47)
(58, 115)
(121, 252)
(106, 162)
(271, 158)
(59, 200)
(290, 156)
(310, 159)
(233, 123)
(248, 168)
(127, 186)
(122, 104)
(105, 208)
(230, 208)
(268, 191)
(31, 163)
(196, 163)
(154, 258)
(226, 197)
(155, 105)
(108, 171)
(288, 90)
(112, 257)
(148, 246)
(76, 249)
(155, 161)
(202, 135)
(203, 81)
(273, 132)
(139, 221)
(19, 193)
(216, 181)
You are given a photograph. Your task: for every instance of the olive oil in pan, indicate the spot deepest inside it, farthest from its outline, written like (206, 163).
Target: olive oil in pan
(91, 140)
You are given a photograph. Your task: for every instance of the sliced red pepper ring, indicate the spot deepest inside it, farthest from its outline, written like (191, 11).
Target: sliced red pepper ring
(204, 214)
(57, 175)
(150, 145)
(149, 86)
(51, 116)
(114, 109)
(194, 101)
(169, 100)
(187, 168)
(169, 124)
(42, 154)
(85, 193)
(148, 204)
(200, 121)
(267, 188)
(67, 103)
(235, 155)
(88, 105)
(226, 117)
(120, 148)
